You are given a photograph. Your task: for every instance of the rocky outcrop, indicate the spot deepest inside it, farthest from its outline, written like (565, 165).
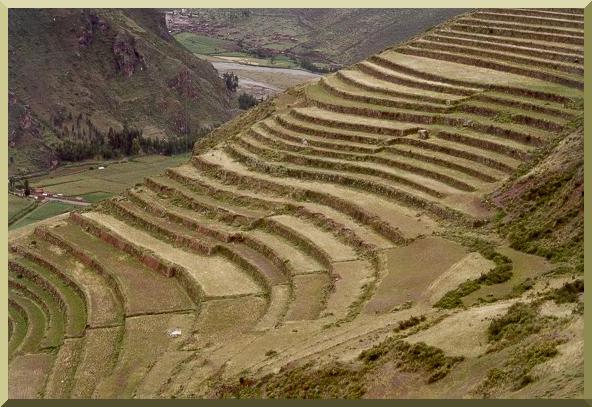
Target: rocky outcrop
(127, 58)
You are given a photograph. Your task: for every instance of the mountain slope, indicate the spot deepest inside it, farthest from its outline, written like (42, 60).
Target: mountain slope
(337, 36)
(75, 72)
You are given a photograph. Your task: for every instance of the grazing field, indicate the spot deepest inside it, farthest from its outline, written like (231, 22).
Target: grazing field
(95, 185)
(342, 240)
(42, 212)
(18, 206)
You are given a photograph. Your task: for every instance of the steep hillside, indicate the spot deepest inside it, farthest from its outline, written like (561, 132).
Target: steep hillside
(542, 212)
(345, 239)
(335, 36)
(77, 73)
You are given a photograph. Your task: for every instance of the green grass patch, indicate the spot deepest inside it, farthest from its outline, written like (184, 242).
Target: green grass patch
(98, 196)
(201, 44)
(18, 207)
(42, 212)
(115, 178)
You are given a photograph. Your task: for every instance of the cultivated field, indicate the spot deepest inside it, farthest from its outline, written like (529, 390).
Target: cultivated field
(334, 242)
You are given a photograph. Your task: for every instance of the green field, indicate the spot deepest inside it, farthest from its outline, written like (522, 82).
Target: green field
(42, 212)
(208, 48)
(94, 185)
(200, 44)
(18, 206)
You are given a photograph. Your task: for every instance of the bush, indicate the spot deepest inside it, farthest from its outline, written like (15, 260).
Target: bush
(246, 101)
(518, 322)
(568, 293)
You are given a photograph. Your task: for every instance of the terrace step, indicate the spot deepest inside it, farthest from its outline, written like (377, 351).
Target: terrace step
(514, 133)
(457, 74)
(304, 140)
(339, 88)
(197, 272)
(426, 151)
(231, 214)
(368, 82)
(97, 359)
(434, 183)
(383, 214)
(20, 327)
(136, 281)
(278, 303)
(544, 29)
(374, 67)
(553, 13)
(103, 304)
(249, 259)
(27, 375)
(140, 350)
(568, 49)
(37, 323)
(353, 122)
(61, 378)
(303, 122)
(51, 308)
(336, 250)
(385, 174)
(162, 205)
(469, 26)
(491, 44)
(403, 164)
(297, 260)
(352, 281)
(548, 109)
(536, 120)
(510, 16)
(309, 296)
(485, 51)
(322, 214)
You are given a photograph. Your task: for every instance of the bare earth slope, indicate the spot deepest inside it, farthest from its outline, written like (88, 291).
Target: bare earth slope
(340, 240)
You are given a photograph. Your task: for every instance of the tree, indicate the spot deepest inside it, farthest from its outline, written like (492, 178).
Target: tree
(27, 188)
(135, 146)
(231, 81)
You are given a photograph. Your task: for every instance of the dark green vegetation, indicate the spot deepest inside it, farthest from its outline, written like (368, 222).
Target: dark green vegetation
(315, 39)
(520, 321)
(75, 74)
(568, 292)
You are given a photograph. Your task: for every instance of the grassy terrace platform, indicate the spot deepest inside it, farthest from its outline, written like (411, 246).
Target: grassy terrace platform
(311, 228)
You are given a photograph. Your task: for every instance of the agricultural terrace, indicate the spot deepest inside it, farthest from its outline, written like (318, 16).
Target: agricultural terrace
(308, 234)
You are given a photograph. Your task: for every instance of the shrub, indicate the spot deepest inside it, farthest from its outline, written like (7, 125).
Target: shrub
(518, 322)
(453, 298)
(246, 101)
(568, 293)
(408, 323)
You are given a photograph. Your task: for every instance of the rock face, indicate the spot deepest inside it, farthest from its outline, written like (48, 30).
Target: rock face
(127, 57)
